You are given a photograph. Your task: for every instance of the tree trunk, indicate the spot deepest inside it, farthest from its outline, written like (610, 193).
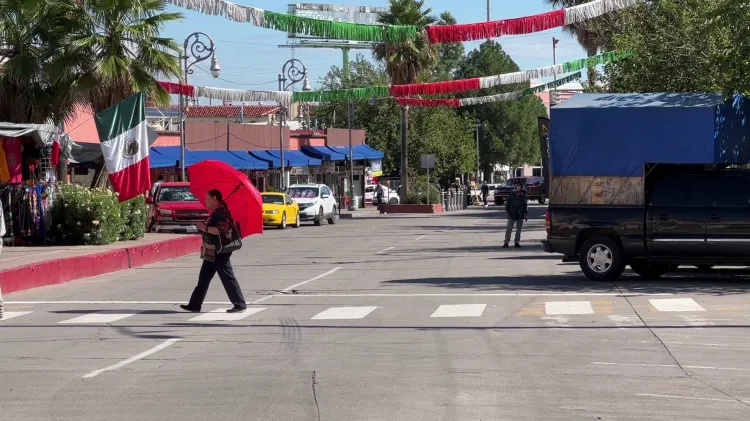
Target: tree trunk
(404, 153)
(100, 174)
(62, 171)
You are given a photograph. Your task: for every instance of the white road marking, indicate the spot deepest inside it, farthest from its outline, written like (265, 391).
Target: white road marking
(133, 359)
(344, 313)
(568, 307)
(481, 294)
(384, 250)
(7, 315)
(694, 367)
(99, 317)
(620, 320)
(221, 315)
(676, 304)
(459, 310)
(685, 397)
(322, 275)
(419, 238)
(693, 320)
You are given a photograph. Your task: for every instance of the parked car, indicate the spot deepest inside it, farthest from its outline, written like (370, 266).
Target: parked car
(698, 219)
(391, 196)
(173, 208)
(316, 202)
(536, 189)
(279, 209)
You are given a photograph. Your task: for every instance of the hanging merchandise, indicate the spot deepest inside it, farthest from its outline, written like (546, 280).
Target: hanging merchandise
(282, 97)
(4, 173)
(299, 25)
(527, 24)
(460, 85)
(508, 96)
(14, 155)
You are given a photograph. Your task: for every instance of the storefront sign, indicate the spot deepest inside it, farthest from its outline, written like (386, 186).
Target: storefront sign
(376, 167)
(299, 171)
(329, 167)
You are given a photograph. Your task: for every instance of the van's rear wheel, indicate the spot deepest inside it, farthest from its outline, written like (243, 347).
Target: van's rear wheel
(601, 259)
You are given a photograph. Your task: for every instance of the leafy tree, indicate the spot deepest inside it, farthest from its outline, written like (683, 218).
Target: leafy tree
(675, 49)
(732, 19)
(510, 133)
(440, 131)
(450, 55)
(406, 61)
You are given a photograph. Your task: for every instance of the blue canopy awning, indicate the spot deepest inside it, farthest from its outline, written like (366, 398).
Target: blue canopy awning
(169, 156)
(296, 158)
(165, 156)
(360, 152)
(323, 153)
(268, 158)
(237, 160)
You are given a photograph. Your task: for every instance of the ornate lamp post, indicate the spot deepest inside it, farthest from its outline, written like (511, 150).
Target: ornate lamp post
(195, 44)
(292, 71)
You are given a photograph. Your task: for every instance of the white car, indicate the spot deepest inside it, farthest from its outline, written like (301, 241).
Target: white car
(391, 196)
(316, 202)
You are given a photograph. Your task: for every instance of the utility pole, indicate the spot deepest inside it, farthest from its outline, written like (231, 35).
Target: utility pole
(488, 11)
(553, 94)
(404, 152)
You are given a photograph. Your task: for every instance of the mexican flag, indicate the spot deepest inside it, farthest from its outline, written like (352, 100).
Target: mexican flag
(123, 133)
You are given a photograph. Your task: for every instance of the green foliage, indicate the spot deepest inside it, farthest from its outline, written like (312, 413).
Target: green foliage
(418, 190)
(134, 213)
(676, 49)
(731, 19)
(450, 55)
(509, 134)
(84, 216)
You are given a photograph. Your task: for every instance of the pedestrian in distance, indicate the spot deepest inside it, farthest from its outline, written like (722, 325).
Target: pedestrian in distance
(2, 234)
(218, 231)
(485, 193)
(517, 210)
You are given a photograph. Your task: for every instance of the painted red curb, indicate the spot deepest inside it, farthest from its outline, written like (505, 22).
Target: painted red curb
(58, 271)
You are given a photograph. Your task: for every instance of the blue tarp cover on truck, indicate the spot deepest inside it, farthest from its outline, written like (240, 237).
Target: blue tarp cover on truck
(614, 135)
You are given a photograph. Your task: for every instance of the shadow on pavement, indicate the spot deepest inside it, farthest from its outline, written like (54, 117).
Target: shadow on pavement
(681, 282)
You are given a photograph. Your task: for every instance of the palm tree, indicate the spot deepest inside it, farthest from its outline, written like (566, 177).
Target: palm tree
(406, 61)
(120, 52)
(35, 85)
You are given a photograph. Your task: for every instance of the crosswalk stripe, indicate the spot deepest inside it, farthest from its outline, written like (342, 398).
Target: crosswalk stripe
(676, 304)
(100, 317)
(344, 313)
(620, 320)
(221, 315)
(11, 314)
(459, 310)
(568, 307)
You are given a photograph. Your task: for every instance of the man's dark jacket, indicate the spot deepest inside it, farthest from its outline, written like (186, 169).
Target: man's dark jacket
(516, 205)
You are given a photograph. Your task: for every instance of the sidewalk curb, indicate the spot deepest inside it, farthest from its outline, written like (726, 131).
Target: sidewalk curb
(360, 214)
(58, 271)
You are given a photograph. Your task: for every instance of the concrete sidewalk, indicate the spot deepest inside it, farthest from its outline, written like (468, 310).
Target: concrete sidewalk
(30, 267)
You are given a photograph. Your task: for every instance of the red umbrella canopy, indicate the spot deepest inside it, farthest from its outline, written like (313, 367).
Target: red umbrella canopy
(242, 198)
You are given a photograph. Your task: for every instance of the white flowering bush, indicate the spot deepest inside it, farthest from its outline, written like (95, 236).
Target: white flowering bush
(87, 216)
(133, 213)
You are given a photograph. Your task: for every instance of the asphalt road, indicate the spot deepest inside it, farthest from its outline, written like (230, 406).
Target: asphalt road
(411, 318)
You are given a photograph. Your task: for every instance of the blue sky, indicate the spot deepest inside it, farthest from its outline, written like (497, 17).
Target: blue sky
(250, 57)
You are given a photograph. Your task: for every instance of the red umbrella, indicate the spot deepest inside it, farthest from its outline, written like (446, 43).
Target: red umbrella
(242, 198)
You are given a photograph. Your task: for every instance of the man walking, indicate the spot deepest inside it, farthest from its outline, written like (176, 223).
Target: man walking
(517, 211)
(485, 193)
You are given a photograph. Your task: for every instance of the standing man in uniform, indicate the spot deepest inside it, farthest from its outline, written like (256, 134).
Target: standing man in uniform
(517, 210)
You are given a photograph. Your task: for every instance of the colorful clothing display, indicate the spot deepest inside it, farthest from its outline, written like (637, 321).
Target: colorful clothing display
(13, 154)
(4, 173)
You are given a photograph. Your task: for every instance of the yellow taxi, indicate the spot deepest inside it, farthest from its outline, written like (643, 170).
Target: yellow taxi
(279, 209)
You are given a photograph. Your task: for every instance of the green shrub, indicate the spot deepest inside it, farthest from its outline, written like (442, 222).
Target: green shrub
(83, 216)
(418, 192)
(133, 213)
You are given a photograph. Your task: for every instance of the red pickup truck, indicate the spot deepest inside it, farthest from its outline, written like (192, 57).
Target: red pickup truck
(173, 208)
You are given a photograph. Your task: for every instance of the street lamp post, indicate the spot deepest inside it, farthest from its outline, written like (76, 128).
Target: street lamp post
(478, 126)
(292, 71)
(195, 43)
